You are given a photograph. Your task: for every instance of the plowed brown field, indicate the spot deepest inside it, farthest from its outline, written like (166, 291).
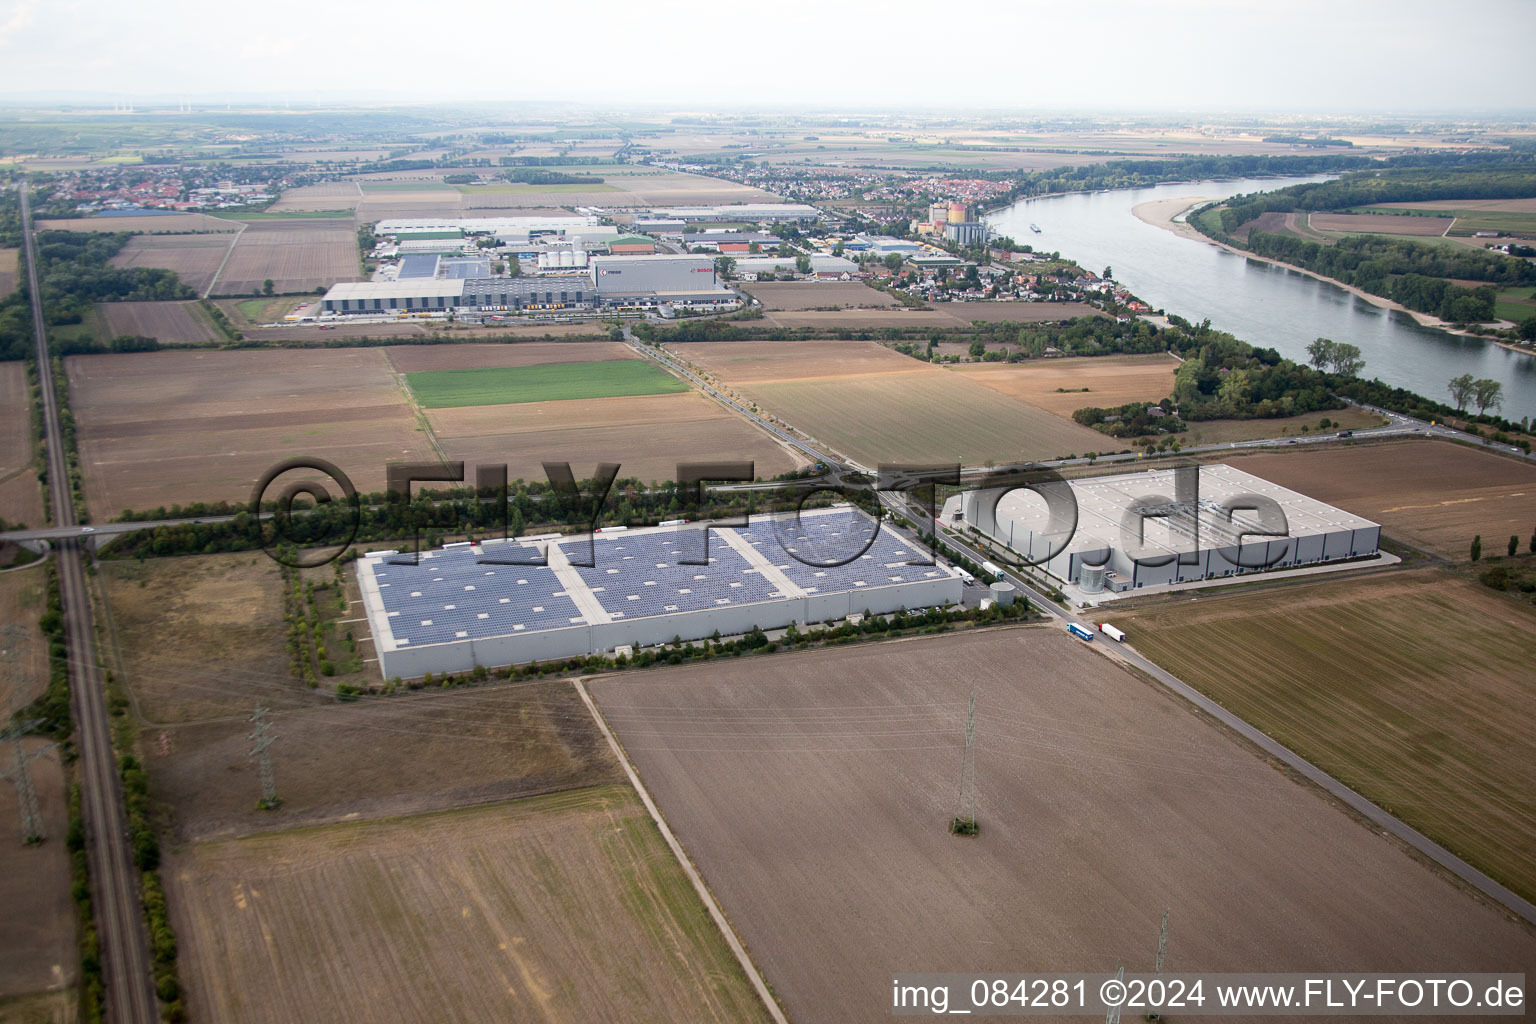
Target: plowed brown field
(1435, 495)
(815, 797)
(1416, 689)
(562, 909)
(1111, 380)
(164, 427)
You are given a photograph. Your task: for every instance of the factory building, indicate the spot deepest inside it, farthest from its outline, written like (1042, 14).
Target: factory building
(607, 281)
(1167, 526)
(966, 232)
(514, 293)
(635, 275)
(382, 297)
(492, 604)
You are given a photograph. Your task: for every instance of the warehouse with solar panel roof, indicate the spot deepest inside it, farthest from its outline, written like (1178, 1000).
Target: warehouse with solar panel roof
(509, 602)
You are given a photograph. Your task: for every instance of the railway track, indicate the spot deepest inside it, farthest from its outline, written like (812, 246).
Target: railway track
(124, 954)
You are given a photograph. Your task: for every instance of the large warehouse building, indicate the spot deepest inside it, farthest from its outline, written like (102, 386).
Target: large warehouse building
(1158, 527)
(609, 281)
(468, 605)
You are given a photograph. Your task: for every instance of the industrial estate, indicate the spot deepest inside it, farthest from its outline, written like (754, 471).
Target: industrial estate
(567, 563)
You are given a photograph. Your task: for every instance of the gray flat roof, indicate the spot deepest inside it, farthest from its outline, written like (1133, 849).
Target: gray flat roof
(410, 288)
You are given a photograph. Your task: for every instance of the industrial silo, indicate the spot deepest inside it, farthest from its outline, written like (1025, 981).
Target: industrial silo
(1002, 593)
(1091, 579)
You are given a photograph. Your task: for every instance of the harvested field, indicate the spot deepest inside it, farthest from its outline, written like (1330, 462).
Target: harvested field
(1435, 495)
(330, 195)
(10, 275)
(420, 358)
(1379, 224)
(1111, 380)
(152, 224)
(754, 362)
(298, 255)
(236, 413)
(1415, 688)
(37, 930)
(405, 755)
(795, 295)
(895, 316)
(563, 908)
(21, 498)
(923, 417)
(815, 799)
(389, 206)
(21, 604)
(15, 418)
(170, 323)
(194, 258)
(1527, 205)
(1018, 312)
(166, 614)
(873, 404)
(942, 314)
(647, 436)
(511, 385)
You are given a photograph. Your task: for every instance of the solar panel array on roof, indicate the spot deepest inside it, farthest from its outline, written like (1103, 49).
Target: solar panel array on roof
(834, 552)
(450, 595)
(638, 574)
(418, 265)
(464, 269)
(453, 610)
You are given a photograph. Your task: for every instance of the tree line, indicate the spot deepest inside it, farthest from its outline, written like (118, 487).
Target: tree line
(1411, 273)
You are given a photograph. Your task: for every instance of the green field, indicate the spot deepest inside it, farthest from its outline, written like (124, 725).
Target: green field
(548, 382)
(1413, 688)
(1515, 304)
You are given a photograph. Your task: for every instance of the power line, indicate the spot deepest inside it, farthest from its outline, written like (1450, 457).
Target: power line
(964, 823)
(261, 736)
(12, 647)
(1113, 1016)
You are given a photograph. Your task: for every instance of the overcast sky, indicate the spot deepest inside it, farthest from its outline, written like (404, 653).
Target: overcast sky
(1295, 56)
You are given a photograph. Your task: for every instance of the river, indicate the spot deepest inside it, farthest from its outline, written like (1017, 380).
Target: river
(1260, 303)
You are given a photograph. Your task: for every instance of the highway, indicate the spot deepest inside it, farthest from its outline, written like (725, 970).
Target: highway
(125, 960)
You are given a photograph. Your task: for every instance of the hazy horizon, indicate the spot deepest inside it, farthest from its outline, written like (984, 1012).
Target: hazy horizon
(1177, 57)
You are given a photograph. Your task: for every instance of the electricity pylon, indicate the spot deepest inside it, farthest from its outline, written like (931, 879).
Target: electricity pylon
(964, 823)
(21, 778)
(12, 647)
(261, 737)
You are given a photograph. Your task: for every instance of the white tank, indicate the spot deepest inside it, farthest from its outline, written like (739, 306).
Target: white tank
(567, 258)
(544, 259)
(579, 258)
